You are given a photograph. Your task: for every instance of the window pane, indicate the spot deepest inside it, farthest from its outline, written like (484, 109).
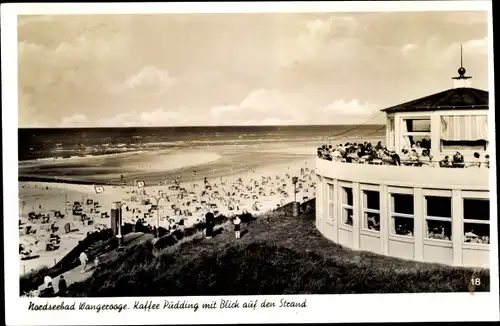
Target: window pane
(402, 203)
(438, 230)
(451, 145)
(477, 209)
(416, 141)
(347, 216)
(330, 211)
(438, 206)
(476, 233)
(372, 199)
(347, 196)
(330, 192)
(417, 125)
(402, 226)
(392, 133)
(464, 127)
(372, 221)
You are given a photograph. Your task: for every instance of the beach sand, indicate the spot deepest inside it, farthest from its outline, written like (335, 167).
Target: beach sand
(251, 181)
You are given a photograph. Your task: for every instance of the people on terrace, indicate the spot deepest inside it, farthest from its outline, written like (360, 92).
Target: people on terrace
(418, 155)
(458, 160)
(476, 161)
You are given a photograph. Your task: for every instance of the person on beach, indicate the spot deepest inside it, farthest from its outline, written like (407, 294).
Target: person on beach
(47, 280)
(209, 221)
(83, 261)
(237, 223)
(63, 286)
(47, 292)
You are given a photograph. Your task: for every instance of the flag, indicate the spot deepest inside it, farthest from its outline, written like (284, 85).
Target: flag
(141, 184)
(98, 189)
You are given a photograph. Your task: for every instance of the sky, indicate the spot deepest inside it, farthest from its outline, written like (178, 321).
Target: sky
(239, 69)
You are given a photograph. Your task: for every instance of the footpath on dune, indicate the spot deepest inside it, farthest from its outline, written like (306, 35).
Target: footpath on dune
(75, 275)
(277, 254)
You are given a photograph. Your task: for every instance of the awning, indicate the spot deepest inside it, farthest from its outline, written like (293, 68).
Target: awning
(464, 127)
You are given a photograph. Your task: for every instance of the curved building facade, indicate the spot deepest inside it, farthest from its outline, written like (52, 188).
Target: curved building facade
(394, 210)
(425, 213)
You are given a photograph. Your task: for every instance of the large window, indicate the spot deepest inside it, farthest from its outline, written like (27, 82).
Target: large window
(416, 133)
(402, 218)
(331, 202)
(476, 220)
(392, 133)
(438, 217)
(371, 210)
(464, 132)
(347, 205)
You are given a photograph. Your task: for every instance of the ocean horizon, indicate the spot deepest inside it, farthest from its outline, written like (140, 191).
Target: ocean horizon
(43, 143)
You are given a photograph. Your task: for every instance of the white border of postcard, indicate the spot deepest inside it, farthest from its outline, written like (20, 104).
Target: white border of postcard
(320, 308)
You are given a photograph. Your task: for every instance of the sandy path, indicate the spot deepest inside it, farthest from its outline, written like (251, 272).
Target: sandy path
(75, 275)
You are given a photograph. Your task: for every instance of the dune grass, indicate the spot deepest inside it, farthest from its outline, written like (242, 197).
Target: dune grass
(32, 280)
(277, 254)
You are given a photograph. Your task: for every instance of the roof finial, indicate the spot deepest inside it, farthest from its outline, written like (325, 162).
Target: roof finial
(461, 70)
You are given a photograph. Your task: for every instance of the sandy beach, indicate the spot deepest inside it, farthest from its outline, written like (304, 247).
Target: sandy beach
(225, 180)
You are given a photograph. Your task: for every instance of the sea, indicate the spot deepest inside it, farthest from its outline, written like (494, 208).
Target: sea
(104, 155)
(80, 142)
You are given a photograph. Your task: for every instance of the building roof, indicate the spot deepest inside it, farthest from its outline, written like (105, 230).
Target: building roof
(452, 99)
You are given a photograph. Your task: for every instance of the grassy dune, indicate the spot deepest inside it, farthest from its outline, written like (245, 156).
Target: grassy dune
(277, 254)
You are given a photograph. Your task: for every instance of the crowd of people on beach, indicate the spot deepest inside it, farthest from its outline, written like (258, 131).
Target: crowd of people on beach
(181, 204)
(177, 204)
(417, 155)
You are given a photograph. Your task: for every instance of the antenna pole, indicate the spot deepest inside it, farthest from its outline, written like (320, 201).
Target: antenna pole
(461, 60)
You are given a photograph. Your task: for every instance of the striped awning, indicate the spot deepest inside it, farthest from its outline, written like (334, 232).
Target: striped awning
(464, 127)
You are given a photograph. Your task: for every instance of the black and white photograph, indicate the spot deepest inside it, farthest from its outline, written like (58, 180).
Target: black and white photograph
(242, 162)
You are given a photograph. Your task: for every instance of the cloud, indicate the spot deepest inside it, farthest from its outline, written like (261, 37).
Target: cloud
(163, 118)
(316, 40)
(150, 79)
(273, 107)
(472, 49)
(338, 24)
(156, 118)
(467, 18)
(260, 105)
(75, 120)
(270, 122)
(63, 61)
(478, 46)
(407, 48)
(348, 112)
